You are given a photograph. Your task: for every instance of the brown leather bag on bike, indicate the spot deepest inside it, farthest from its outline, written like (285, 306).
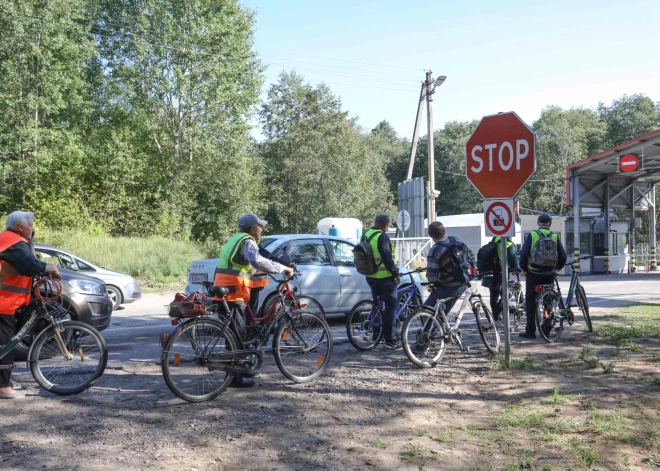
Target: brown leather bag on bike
(187, 306)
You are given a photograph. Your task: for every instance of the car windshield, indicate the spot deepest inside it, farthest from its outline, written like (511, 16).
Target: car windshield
(265, 242)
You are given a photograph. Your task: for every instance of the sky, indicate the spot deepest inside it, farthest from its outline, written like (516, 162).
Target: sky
(505, 55)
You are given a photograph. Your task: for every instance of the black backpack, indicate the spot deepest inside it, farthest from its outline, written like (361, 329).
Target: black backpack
(365, 262)
(487, 257)
(461, 260)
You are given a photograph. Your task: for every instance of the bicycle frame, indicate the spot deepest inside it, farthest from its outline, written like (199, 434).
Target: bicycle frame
(410, 290)
(15, 340)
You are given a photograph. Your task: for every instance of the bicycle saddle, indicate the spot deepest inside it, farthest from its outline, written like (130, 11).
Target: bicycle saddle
(221, 291)
(207, 284)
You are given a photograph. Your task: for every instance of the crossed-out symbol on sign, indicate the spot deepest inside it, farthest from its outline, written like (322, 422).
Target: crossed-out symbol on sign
(504, 226)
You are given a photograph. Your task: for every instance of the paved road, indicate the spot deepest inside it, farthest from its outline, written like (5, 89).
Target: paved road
(134, 333)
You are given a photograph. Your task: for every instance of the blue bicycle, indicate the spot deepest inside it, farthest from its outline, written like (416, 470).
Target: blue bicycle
(364, 322)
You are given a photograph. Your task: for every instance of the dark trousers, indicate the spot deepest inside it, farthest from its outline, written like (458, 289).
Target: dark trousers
(9, 325)
(385, 289)
(531, 282)
(254, 301)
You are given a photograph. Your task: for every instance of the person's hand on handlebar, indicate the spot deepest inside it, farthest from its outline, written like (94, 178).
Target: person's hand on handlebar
(54, 272)
(288, 271)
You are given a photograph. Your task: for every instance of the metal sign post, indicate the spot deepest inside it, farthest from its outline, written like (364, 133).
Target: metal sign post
(505, 300)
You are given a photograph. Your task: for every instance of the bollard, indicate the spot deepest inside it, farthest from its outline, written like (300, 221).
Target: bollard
(633, 262)
(654, 263)
(576, 255)
(607, 262)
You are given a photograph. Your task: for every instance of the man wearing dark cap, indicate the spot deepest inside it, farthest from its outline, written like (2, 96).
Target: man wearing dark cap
(239, 259)
(384, 282)
(534, 274)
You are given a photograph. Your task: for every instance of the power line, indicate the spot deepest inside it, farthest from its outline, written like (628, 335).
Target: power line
(347, 61)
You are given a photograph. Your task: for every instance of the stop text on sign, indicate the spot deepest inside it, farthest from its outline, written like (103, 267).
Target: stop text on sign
(504, 156)
(500, 155)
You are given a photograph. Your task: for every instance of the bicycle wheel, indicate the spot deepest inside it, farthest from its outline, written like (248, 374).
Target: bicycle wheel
(423, 338)
(310, 304)
(548, 315)
(364, 325)
(583, 304)
(516, 310)
(487, 328)
(303, 346)
(187, 360)
(58, 374)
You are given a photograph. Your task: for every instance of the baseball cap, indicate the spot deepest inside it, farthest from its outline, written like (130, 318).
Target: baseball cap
(383, 218)
(248, 220)
(544, 218)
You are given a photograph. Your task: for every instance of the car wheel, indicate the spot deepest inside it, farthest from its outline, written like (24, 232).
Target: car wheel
(115, 296)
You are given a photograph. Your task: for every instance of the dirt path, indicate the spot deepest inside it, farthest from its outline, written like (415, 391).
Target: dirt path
(372, 410)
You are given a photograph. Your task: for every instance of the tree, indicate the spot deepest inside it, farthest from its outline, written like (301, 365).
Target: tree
(45, 49)
(629, 117)
(318, 163)
(562, 138)
(182, 74)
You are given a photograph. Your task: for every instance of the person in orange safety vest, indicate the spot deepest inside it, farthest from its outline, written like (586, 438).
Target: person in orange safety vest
(18, 265)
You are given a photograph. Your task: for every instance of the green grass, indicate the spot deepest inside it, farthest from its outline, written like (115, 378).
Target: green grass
(521, 416)
(443, 436)
(498, 363)
(411, 453)
(382, 444)
(150, 259)
(607, 369)
(655, 380)
(557, 399)
(632, 322)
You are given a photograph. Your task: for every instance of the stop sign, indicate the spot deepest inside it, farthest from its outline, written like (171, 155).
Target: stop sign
(501, 155)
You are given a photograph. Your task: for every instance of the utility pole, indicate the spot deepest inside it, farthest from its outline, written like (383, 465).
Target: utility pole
(415, 137)
(431, 161)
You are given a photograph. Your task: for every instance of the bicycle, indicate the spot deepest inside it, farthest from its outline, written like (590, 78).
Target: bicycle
(365, 320)
(551, 311)
(201, 357)
(516, 301)
(426, 332)
(66, 357)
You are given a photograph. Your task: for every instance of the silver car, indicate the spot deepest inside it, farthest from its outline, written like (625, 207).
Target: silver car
(326, 263)
(121, 288)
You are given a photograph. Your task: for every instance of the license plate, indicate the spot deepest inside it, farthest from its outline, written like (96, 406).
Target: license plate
(198, 278)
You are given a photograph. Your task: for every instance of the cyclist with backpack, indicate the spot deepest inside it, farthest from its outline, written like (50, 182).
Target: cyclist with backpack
(489, 258)
(449, 265)
(541, 252)
(374, 258)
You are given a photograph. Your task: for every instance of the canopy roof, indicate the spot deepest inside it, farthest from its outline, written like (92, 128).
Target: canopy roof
(600, 178)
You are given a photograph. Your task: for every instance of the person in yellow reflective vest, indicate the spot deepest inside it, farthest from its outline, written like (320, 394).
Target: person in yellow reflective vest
(18, 265)
(536, 276)
(494, 282)
(242, 267)
(384, 282)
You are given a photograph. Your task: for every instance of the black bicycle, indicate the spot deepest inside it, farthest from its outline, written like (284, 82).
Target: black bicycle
(202, 356)
(552, 312)
(65, 357)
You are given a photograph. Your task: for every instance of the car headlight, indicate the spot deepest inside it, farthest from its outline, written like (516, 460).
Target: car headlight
(87, 287)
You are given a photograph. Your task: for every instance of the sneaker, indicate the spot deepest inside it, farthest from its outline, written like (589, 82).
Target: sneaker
(17, 386)
(392, 345)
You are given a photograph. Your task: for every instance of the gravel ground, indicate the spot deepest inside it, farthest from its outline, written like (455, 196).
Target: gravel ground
(371, 410)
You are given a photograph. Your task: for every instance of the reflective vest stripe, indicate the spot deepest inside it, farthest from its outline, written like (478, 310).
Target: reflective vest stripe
(15, 289)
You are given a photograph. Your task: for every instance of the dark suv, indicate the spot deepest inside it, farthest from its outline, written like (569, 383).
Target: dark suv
(85, 298)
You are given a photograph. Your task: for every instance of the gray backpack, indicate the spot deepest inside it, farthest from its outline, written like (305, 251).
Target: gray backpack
(544, 254)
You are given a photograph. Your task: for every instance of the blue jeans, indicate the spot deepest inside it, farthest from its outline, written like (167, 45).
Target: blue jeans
(385, 289)
(442, 292)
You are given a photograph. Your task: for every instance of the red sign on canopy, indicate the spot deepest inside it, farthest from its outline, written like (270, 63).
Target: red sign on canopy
(629, 163)
(501, 155)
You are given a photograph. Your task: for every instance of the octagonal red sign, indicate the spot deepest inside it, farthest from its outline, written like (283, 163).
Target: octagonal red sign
(501, 155)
